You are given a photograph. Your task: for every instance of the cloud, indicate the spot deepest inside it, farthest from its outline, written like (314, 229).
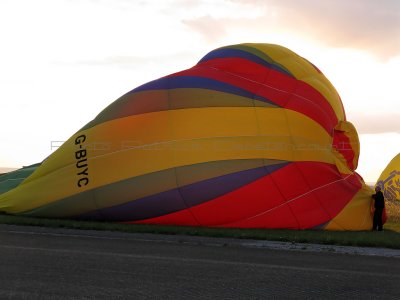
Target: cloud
(375, 123)
(136, 61)
(211, 28)
(373, 26)
(367, 25)
(6, 170)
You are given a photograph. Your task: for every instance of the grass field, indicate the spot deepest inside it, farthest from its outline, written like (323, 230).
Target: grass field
(389, 238)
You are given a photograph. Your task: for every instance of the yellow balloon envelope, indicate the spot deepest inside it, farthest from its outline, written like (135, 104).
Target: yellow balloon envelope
(389, 180)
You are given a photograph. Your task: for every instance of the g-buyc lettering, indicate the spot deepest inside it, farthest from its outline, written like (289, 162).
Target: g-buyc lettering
(81, 162)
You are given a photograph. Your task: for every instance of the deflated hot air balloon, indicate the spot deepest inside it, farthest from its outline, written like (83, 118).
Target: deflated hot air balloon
(252, 136)
(389, 181)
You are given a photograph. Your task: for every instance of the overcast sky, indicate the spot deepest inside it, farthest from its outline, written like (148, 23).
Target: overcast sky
(63, 61)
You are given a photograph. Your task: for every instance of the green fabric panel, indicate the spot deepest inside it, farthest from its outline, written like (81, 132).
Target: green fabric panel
(195, 98)
(134, 104)
(11, 180)
(190, 174)
(161, 100)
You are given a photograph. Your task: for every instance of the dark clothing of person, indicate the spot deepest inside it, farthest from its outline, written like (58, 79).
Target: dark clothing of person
(379, 204)
(379, 200)
(377, 221)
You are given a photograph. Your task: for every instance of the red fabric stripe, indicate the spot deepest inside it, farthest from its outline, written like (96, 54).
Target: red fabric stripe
(283, 199)
(247, 201)
(283, 90)
(238, 66)
(342, 144)
(310, 210)
(282, 217)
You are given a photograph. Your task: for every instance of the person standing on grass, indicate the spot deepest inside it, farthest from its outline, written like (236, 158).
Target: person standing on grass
(379, 204)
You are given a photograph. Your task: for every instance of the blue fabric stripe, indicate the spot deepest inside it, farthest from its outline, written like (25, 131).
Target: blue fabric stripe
(231, 52)
(197, 82)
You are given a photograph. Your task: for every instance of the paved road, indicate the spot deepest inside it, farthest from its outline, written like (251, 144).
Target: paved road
(39, 263)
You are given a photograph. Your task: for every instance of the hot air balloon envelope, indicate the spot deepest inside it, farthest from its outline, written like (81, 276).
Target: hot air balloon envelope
(252, 136)
(389, 180)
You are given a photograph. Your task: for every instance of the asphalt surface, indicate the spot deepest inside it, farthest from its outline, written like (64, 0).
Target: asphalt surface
(42, 263)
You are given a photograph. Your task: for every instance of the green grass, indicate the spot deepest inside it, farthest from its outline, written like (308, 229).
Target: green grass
(389, 238)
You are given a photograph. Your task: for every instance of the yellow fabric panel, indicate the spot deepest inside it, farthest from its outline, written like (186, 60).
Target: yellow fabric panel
(131, 162)
(341, 163)
(213, 121)
(303, 71)
(152, 129)
(306, 138)
(301, 126)
(132, 131)
(241, 148)
(359, 208)
(322, 85)
(273, 122)
(31, 194)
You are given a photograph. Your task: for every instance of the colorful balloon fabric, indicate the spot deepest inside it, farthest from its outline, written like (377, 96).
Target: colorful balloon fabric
(389, 180)
(252, 136)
